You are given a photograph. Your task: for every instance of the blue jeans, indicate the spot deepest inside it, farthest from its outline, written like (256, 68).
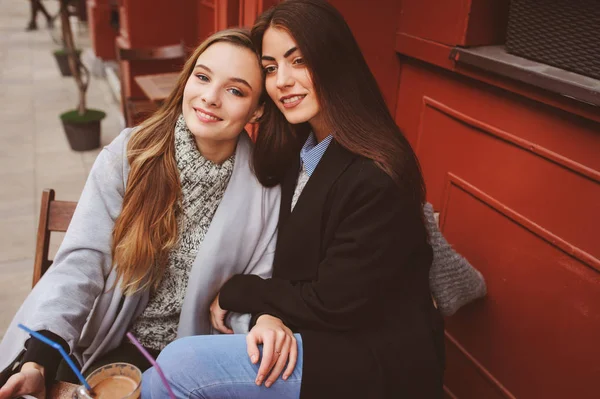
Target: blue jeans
(216, 366)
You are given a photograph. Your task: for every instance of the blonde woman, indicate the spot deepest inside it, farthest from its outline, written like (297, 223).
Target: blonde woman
(171, 210)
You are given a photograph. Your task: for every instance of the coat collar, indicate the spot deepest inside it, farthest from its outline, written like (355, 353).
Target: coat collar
(304, 223)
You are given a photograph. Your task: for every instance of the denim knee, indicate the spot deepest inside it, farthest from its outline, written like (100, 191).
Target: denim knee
(214, 366)
(174, 361)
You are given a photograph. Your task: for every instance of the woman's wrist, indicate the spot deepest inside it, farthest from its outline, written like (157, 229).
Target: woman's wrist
(271, 316)
(34, 366)
(44, 355)
(266, 316)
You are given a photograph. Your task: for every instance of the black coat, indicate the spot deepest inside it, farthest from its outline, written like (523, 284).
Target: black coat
(351, 276)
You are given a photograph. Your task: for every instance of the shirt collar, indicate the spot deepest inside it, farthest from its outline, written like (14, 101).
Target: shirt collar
(312, 152)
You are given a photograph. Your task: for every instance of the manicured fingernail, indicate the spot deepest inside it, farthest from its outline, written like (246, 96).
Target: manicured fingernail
(259, 379)
(254, 358)
(268, 384)
(285, 377)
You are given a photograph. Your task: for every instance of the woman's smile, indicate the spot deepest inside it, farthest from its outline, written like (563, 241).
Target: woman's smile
(207, 117)
(292, 100)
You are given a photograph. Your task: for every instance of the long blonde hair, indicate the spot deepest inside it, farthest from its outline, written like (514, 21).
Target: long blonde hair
(146, 229)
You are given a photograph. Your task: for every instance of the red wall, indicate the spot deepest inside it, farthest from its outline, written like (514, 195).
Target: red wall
(375, 32)
(515, 173)
(515, 181)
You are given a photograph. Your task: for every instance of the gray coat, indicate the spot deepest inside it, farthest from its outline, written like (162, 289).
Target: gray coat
(74, 299)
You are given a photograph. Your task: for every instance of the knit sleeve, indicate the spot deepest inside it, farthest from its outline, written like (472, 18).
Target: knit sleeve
(453, 281)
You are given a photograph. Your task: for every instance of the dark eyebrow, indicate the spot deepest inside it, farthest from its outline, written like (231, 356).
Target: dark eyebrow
(289, 52)
(238, 80)
(203, 67)
(242, 81)
(285, 55)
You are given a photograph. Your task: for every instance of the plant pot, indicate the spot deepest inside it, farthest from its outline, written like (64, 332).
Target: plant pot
(63, 62)
(83, 132)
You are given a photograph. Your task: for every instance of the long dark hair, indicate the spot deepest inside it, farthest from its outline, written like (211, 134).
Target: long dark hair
(349, 98)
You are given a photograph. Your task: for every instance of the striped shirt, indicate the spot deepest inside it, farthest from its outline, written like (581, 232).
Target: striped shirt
(311, 153)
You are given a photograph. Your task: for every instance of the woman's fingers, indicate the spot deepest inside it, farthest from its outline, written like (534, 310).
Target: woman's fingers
(217, 317)
(221, 326)
(293, 358)
(12, 388)
(281, 357)
(215, 324)
(213, 321)
(26, 382)
(252, 346)
(279, 348)
(268, 340)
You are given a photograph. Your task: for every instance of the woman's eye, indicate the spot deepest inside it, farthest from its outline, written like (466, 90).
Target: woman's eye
(236, 92)
(202, 77)
(270, 69)
(299, 61)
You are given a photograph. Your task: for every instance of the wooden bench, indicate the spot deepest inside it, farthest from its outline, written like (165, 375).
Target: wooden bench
(55, 216)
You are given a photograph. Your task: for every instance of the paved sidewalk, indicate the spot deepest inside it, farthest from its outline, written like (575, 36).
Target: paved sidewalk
(34, 153)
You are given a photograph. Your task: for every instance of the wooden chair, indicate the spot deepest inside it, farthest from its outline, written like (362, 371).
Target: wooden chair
(136, 109)
(54, 216)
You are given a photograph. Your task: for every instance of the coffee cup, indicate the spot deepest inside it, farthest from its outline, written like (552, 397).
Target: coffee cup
(112, 381)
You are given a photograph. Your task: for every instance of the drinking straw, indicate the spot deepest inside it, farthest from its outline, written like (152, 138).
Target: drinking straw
(153, 362)
(64, 354)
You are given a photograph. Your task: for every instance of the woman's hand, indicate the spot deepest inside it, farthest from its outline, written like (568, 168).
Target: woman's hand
(29, 381)
(217, 317)
(279, 347)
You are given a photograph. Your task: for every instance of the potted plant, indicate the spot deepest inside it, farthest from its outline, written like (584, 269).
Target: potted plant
(82, 125)
(60, 55)
(62, 60)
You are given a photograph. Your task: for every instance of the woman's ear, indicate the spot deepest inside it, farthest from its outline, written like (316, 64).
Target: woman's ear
(257, 114)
